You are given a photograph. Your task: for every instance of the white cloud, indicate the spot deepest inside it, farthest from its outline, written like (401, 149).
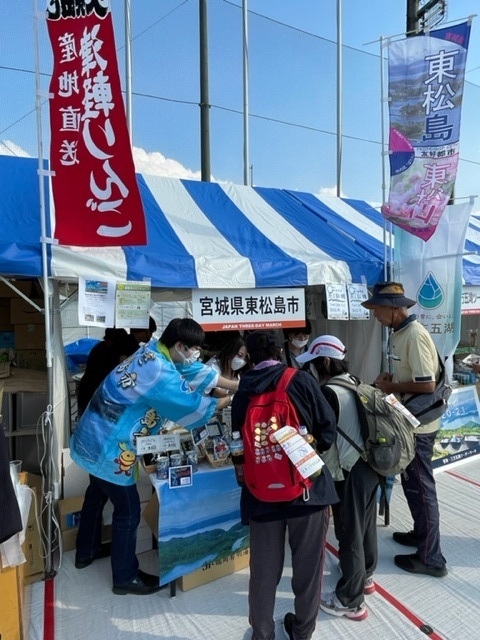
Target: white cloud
(9, 148)
(328, 191)
(156, 164)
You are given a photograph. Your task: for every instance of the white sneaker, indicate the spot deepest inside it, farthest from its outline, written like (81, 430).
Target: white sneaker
(369, 586)
(332, 605)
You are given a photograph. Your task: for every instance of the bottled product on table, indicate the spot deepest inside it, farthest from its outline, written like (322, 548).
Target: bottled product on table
(236, 448)
(162, 464)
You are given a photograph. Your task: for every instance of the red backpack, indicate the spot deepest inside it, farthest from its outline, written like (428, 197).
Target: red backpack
(268, 473)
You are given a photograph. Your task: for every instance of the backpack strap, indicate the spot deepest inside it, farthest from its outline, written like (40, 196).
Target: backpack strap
(284, 381)
(441, 381)
(353, 386)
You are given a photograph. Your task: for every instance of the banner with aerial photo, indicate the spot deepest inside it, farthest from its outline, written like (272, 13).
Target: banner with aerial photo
(426, 78)
(199, 525)
(459, 435)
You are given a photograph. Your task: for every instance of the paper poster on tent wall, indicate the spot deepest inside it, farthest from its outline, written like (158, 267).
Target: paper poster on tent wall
(248, 309)
(132, 304)
(96, 302)
(426, 78)
(95, 192)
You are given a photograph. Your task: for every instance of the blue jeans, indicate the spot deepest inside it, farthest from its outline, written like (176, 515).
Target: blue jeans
(125, 520)
(420, 491)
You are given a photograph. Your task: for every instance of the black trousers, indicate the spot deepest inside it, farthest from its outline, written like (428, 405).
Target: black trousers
(306, 538)
(355, 521)
(420, 490)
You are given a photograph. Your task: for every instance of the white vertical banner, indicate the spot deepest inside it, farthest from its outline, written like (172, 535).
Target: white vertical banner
(431, 273)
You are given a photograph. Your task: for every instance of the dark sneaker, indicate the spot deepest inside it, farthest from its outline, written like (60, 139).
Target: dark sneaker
(103, 552)
(413, 564)
(408, 538)
(136, 587)
(332, 605)
(288, 623)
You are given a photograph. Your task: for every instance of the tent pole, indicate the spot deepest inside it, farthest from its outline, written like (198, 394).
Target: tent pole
(339, 97)
(128, 66)
(49, 424)
(204, 95)
(246, 107)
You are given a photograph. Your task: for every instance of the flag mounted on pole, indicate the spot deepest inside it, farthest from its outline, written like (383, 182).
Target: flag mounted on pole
(95, 192)
(426, 77)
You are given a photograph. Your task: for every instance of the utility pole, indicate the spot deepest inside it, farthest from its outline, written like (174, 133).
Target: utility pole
(204, 96)
(412, 17)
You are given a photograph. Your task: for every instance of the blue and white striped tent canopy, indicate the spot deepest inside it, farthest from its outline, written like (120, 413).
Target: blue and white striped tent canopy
(204, 235)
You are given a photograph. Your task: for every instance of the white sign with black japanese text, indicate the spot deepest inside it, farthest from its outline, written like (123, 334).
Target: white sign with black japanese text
(249, 309)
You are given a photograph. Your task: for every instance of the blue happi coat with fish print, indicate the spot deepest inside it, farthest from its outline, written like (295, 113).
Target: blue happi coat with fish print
(134, 400)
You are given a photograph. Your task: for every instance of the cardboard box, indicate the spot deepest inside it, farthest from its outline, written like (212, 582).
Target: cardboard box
(69, 510)
(11, 597)
(29, 336)
(7, 339)
(4, 311)
(32, 547)
(214, 570)
(28, 359)
(24, 286)
(22, 312)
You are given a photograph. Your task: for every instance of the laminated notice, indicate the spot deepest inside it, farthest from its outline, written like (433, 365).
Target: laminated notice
(301, 453)
(395, 402)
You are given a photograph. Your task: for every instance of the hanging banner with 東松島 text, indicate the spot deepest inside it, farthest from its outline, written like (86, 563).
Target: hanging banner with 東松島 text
(426, 78)
(95, 191)
(248, 309)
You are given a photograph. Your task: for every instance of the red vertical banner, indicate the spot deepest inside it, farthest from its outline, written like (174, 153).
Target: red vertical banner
(95, 192)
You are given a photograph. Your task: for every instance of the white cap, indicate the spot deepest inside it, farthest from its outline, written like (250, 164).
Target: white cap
(326, 346)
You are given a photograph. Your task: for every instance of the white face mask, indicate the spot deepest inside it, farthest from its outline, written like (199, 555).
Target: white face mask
(299, 343)
(193, 357)
(237, 363)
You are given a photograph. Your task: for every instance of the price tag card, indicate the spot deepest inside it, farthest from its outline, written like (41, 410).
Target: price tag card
(158, 444)
(180, 477)
(199, 434)
(337, 305)
(357, 293)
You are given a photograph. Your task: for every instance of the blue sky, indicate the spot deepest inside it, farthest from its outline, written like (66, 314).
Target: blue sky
(292, 89)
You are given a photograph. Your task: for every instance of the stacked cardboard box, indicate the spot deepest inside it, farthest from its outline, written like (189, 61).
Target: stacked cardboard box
(29, 327)
(11, 597)
(32, 547)
(69, 512)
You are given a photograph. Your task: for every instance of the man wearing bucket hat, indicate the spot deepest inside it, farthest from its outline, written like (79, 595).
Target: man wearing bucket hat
(355, 481)
(415, 370)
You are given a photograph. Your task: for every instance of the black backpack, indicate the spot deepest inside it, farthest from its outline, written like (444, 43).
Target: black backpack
(427, 407)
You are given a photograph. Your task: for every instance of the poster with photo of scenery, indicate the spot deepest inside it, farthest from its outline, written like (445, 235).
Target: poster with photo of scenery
(200, 527)
(459, 434)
